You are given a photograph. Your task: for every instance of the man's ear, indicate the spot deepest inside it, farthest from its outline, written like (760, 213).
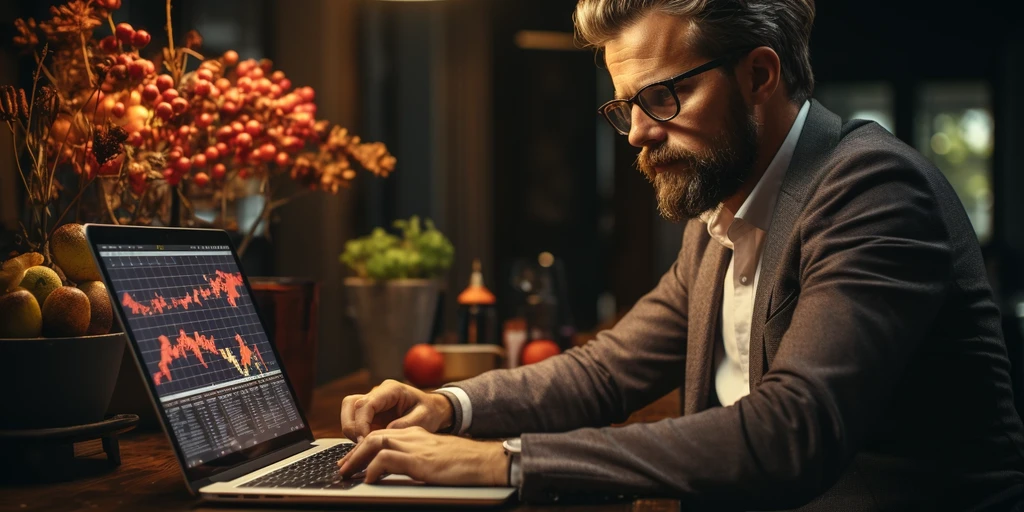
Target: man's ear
(760, 74)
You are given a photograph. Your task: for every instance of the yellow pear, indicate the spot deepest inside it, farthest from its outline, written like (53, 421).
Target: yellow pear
(70, 250)
(20, 316)
(40, 281)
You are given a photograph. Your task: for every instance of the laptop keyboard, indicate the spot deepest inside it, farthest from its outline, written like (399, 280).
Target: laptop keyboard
(318, 471)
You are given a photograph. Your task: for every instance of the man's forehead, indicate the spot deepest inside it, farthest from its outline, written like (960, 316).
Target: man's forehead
(654, 48)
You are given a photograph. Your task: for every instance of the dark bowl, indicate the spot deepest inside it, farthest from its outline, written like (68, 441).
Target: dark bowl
(58, 382)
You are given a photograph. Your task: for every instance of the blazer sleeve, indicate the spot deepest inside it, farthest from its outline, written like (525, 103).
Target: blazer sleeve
(875, 259)
(602, 382)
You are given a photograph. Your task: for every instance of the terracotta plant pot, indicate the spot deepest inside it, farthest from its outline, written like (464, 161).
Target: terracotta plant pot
(58, 382)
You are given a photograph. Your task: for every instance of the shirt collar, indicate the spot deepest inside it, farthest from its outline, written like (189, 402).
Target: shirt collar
(758, 207)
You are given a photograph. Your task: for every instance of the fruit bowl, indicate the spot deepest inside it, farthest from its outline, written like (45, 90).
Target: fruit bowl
(58, 382)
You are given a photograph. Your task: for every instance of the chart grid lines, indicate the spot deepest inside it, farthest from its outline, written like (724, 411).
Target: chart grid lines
(202, 336)
(203, 348)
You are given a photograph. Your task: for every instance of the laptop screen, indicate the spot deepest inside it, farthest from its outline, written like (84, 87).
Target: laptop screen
(203, 346)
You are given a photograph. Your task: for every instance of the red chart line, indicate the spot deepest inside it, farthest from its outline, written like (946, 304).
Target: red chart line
(197, 345)
(220, 284)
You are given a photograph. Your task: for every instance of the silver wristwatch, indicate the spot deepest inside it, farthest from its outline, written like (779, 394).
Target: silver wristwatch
(513, 450)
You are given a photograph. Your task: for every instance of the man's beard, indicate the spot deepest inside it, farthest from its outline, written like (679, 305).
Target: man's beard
(700, 181)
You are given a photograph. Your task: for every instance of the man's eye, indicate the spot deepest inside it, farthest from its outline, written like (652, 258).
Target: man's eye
(659, 96)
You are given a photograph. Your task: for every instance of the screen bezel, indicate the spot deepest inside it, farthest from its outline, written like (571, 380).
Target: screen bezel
(101, 234)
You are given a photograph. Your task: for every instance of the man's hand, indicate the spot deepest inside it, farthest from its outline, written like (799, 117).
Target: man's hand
(393, 405)
(427, 457)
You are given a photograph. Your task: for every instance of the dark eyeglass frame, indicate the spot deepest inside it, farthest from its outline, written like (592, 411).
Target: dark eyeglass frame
(669, 83)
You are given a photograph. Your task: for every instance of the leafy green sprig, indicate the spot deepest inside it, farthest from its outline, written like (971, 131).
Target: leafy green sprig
(421, 252)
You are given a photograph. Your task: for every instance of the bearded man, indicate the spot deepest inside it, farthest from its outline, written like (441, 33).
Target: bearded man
(828, 318)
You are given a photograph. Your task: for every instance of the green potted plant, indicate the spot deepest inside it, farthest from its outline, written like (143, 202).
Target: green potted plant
(393, 296)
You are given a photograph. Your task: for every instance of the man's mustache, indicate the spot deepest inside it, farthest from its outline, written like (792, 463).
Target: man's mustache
(648, 159)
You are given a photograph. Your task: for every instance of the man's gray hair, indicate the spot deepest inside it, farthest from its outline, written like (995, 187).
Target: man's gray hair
(719, 28)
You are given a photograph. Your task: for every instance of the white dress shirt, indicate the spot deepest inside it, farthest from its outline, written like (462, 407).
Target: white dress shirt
(744, 234)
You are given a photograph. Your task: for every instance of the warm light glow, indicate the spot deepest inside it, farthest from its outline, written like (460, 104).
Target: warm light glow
(546, 259)
(545, 40)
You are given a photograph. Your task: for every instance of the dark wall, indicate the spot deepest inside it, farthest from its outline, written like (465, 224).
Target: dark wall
(545, 156)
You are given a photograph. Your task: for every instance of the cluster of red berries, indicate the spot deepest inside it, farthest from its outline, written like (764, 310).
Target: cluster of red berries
(225, 114)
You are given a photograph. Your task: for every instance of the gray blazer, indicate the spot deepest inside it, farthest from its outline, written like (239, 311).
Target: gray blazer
(879, 376)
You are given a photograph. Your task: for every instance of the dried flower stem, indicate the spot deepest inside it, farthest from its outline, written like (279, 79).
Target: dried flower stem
(264, 215)
(110, 209)
(85, 57)
(35, 84)
(17, 160)
(81, 190)
(53, 80)
(56, 160)
(171, 61)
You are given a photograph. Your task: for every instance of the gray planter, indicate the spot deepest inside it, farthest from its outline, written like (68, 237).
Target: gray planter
(391, 317)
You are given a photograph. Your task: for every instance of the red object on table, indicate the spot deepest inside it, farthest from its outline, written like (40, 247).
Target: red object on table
(539, 350)
(423, 366)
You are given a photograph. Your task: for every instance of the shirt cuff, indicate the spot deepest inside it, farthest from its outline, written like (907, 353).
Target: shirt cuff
(463, 409)
(515, 471)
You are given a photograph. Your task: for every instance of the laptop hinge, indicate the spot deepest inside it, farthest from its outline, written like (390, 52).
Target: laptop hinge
(253, 465)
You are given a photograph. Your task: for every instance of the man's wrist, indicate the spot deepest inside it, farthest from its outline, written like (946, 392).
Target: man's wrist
(458, 412)
(446, 412)
(500, 476)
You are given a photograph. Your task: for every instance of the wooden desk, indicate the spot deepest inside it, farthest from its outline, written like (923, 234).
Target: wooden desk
(149, 478)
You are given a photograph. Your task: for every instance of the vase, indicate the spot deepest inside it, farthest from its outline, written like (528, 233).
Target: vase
(58, 382)
(390, 317)
(289, 308)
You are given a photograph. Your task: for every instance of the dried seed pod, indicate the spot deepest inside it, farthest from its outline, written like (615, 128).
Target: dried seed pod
(8, 103)
(47, 105)
(23, 103)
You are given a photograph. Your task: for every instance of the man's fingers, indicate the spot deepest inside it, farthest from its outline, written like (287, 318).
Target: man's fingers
(358, 458)
(348, 424)
(378, 441)
(371, 405)
(388, 462)
(414, 418)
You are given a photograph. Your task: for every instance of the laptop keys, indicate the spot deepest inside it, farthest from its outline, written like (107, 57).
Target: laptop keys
(318, 471)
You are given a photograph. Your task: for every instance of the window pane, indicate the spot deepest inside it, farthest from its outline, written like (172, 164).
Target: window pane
(872, 101)
(955, 130)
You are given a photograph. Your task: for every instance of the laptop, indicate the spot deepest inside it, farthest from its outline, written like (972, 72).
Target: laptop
(225, 402)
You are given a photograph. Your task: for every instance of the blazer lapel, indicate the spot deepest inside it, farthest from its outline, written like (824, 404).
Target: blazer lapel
(819, 137)
(705, 306)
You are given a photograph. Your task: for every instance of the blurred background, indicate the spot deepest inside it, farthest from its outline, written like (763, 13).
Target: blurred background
(490, 110)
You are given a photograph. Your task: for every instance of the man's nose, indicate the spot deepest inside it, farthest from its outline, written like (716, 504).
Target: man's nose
(644, 131)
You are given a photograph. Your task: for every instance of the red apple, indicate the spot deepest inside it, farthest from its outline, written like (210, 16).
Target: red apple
(424, 366)
(539, 350)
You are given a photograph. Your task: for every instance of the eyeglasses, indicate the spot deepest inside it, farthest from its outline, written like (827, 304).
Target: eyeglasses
(658, 100)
